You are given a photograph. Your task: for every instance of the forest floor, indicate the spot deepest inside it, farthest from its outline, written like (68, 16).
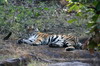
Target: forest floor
(9, 49)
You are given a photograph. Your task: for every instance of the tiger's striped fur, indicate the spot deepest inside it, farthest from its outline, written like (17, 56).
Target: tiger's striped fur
(52, 40)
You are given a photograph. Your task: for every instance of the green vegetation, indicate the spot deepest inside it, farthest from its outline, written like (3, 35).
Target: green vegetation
(14, 17)
(46, 16)
(89, 6)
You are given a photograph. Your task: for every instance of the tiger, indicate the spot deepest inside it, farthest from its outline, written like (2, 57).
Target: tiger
(52, 40)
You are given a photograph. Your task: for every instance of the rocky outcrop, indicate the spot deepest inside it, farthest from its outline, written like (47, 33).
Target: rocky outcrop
(22, 61)
(70, 64)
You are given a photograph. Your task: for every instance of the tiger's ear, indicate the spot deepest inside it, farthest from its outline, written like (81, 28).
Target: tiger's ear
(36, 30)
(28, 27)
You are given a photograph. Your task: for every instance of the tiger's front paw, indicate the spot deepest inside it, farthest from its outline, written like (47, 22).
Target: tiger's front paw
(20, 41)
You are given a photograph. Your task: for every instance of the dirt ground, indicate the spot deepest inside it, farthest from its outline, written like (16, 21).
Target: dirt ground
(9, 49)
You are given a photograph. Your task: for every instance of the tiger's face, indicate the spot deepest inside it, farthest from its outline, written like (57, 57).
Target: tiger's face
(31, 29)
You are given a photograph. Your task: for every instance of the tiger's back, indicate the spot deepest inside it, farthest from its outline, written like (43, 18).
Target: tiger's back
(41, 37)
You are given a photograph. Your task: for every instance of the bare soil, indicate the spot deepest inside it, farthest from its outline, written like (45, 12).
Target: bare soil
(9, 49)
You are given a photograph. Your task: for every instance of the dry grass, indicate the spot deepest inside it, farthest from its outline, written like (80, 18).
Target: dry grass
(9, 49)
(36, 63)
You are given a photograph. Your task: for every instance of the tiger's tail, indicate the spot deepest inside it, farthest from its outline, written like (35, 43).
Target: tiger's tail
(7, 37)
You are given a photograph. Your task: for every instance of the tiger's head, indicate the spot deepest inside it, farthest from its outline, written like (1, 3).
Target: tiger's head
(31, 29)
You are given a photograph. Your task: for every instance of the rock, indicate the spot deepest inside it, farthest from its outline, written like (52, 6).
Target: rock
(70, 64)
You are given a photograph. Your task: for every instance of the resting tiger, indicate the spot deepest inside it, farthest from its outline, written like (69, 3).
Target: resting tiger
(39, 38)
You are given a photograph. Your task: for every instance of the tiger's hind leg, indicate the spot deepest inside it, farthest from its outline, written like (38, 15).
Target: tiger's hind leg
(70, 48)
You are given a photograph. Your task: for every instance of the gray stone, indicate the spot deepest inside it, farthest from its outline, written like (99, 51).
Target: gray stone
(70, 64)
